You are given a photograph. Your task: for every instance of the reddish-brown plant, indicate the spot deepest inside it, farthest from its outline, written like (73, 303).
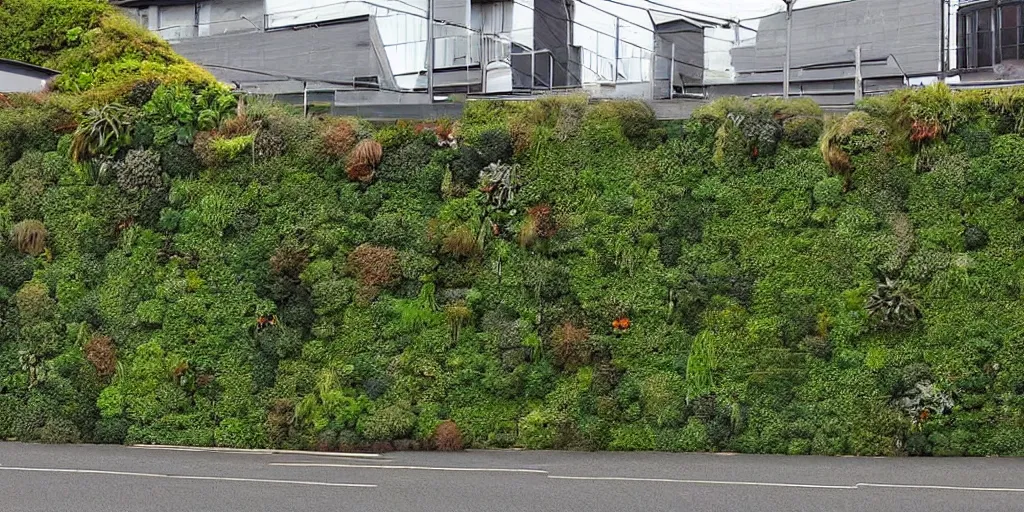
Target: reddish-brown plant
(448, 437)
(924, 131)
(571, 345)
(546, 226)
(375, 267)
(288, 262)
(362, 173)
(339, 138)
(100, 351)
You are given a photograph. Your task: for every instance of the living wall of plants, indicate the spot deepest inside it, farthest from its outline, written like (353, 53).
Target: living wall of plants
(182, 266)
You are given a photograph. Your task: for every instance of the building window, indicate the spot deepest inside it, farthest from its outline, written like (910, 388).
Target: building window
(988, 36)
(1011, 33)
(142, 15)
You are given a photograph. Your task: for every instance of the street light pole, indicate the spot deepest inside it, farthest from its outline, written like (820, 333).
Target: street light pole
(789, 48)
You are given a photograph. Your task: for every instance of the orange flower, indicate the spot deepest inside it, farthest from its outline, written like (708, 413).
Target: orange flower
(615, 324)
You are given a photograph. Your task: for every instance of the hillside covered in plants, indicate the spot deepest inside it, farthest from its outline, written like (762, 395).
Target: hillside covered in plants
(182, 266)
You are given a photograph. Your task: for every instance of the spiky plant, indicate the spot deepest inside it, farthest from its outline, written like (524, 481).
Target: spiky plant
(457, 315)
(103, 131)
(497, 180)
(364, 160)
(892, 305)
(29, 237)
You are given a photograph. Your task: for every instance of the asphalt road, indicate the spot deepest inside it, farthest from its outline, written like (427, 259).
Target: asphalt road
(111, 478)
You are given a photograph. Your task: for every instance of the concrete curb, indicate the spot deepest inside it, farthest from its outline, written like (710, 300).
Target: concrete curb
(254, 451)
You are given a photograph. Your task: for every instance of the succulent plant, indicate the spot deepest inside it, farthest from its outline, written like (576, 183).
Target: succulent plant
(923, 401)
(497, 181)
(140, 170)
(892, 305)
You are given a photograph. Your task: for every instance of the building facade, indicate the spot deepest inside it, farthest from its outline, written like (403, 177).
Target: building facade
(987, 39)
(290, 45)
(899, 40)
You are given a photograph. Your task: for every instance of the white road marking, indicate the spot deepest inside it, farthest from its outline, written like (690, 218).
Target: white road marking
(943, 487)
(182, 477)
(703, 482)
(421, 468)
(254, 452)
(780, 484)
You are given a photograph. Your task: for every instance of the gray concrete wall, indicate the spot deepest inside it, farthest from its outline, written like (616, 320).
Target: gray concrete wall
(226, 17)
(688, 55)
(176, 21)
(17, 79)
(908, 29)
(551, 32)
(332, 52)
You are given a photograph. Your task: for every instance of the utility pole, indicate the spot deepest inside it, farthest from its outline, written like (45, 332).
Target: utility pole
(858, 80)
(789, 48)
(945, 30)
(430, 51)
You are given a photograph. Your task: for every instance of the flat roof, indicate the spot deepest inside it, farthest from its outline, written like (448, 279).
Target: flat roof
(26, 65)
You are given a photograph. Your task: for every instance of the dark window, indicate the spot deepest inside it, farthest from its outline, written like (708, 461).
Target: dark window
(367, 82)
(1010, 42)
(988, 36)
(961, 41)
(984, 38)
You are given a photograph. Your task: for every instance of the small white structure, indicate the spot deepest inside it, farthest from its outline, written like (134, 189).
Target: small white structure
(16, 76)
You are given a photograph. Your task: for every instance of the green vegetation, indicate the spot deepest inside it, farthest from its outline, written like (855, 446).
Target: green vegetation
(177, 267)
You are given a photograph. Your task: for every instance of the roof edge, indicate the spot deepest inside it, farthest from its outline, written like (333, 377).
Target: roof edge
(33, 67)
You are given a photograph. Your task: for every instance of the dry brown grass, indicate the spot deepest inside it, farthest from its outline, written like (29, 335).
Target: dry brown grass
(29, 236)
(448, 437)
(100, 351)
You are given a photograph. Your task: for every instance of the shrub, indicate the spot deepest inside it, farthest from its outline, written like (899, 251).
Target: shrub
(34, 302)
(635, 118)
(59, 431)
(829, 191)
(855, 133)
(226, 150)
(179, 161)
(387, 423)
(139, 171)
(448, 437)
(802, 131)
(268, 144)
(29, 237)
